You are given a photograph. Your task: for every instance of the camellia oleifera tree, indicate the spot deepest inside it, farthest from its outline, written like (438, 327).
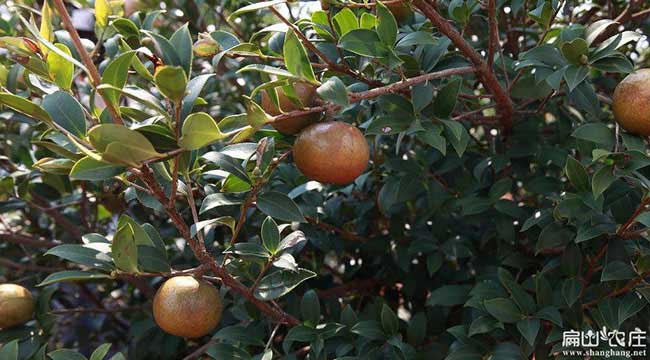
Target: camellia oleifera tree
(408, 179)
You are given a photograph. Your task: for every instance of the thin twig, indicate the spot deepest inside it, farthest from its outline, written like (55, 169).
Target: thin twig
(85, 57)
(504, 103)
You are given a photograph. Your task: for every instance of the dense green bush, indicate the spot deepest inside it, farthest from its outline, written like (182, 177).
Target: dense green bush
(501, 205)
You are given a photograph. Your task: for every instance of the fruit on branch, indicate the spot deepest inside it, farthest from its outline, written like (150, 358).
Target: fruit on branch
(16, 305)
(401, 10)
(306, 93)
(187, 307)
(331, 152)
(630, 103)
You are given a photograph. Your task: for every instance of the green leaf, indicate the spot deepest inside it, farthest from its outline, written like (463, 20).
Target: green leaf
(551, 314)
(181, 40)
(228, 164)
(529, 329)
(504, 310)
(116, 74)
(279, 206)
(296, 59)
(66, 111)
(602, 179)
(25, 107)
(571, 289)
(199, 130)
(100, 352)
(445, 100)
(345, 21)
(124, 249)
(254, 7)
(88, 255)
(72, 275)
(102, 11)
(9, 351)
(219, 199)
(449, 295)
(595, 132)
(65, 354)
(483, 325)
(574, 50)
(294, 239)
(270, 70)
(172, 82)
(166, 49)
(363, 42)
(310, 308)
(281, 283)
(334, 90)
(121, 145)
(194, 87)
(61, 70)
(249, 250)
(270, 235)
(389, 320)
(224, 220)
(574, 75)
(90, 169)
(577, 174)
(386, 25)
(369, 329)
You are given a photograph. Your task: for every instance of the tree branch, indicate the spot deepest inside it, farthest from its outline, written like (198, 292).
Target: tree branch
(28, 241)
(373, 93)
(493, 40)
(504, 103)
(85, 57)
(202, 254)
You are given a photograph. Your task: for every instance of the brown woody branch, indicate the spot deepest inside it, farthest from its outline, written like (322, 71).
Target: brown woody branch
(621, 233)
(376, 92)
(493, 40)
(202, 254)
(27, 240)
(504, 103)
(624, 290)
(85, 57)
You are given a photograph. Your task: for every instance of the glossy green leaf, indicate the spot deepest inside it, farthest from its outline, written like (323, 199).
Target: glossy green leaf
(296, 59)
(280, 283)
(199, 130)
(279, 206)
(66, 111)
(172, 82)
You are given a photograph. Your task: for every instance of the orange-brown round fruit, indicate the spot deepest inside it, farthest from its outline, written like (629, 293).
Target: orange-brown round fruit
(631, 103)
(331, 152)
(187, 307)
(306, 93)
(401, 11)
(16, 305)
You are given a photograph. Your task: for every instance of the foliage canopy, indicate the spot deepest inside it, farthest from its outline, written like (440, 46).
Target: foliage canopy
(501, 204)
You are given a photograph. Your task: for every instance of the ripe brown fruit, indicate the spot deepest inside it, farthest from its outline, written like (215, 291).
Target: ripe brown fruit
(401, 11)
(16, 305)
(187, 307)
(631, 103)
(306, 93)
(331, 152)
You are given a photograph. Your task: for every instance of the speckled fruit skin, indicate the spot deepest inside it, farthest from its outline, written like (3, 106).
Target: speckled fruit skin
(631, 103)
(331, 152)
(16, 305)
(307, 94)
(187, 307)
